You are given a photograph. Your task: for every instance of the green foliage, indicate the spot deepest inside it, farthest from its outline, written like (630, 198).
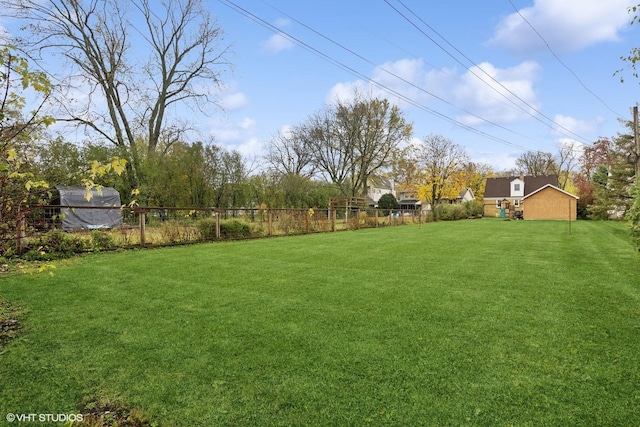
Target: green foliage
(102, 241)
(633, 215)
(55, 244)
(229, 229)
(234, 229)
(473, 208)
(207, 228)
(386, 202)
(450, 212)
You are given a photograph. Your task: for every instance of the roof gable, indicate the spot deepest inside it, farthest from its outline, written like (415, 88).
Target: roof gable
(554, 188)
(500, 187)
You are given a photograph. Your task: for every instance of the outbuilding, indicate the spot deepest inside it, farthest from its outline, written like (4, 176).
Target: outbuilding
(98, 208)
(550, 202)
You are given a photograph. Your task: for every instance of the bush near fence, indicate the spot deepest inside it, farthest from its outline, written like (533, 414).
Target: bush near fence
(158, 226)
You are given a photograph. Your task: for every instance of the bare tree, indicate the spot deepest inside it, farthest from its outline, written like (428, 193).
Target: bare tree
(537, 163)
(567, 160)
(105, 43)
(291, 153)
(352, 141)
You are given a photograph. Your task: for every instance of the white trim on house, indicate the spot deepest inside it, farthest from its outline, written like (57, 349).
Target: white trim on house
(555, 188)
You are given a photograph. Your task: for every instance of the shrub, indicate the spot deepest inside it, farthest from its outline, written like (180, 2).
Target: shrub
(233, 229)
(229, 229)
(102, 241)
(473, 208)
(54, 245)
(387, 202)
(451, 212)
(207, 228)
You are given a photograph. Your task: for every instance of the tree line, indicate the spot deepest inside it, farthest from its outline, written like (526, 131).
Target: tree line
(135, 144)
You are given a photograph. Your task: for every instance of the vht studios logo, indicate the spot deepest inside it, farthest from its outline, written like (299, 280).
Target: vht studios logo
(44, 418)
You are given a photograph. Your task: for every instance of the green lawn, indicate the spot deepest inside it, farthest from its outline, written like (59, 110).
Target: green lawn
(483, 322)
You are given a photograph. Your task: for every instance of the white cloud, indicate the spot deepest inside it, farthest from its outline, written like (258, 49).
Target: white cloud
(282, 22)
(234, 101)
(498, 160)
(479, 93)
(276, 44)
(237, 135)
(566, 25)
(567, 124)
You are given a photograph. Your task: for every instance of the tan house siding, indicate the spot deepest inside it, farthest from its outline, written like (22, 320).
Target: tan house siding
(550, 203)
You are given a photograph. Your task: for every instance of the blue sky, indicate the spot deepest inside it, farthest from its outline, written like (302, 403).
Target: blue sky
(498, 77)
(484, 79)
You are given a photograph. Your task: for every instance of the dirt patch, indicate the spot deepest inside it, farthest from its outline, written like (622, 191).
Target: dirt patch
(10, 325)
(103, 412)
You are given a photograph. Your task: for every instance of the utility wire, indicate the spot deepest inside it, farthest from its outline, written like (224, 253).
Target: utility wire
(234, 6)
(560, 61)
(558, 125)
(392, 73)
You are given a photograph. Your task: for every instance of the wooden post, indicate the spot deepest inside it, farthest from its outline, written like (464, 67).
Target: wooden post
(376, 211)
(141, 217)
(569, 217)
(308, 221)
(218, 225)
(270, 222)
(332, 214)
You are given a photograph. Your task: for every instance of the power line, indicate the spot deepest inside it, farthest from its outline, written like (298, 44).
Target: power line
(390, 72)
(558, 125)
(234, 6)
(561, 62)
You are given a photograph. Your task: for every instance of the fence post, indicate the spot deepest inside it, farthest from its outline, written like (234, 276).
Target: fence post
(332, 213)
(141, 217)
(376, 216)
(308, 221)
(270, 221)
(218, 225)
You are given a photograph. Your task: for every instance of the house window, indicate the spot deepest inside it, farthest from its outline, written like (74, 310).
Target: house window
(516, 202)
(516, 187)
(498, 203)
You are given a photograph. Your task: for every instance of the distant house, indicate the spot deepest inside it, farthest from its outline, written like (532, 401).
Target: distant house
(465, 195)
(505, 196)
(409, 200)
(378, 189)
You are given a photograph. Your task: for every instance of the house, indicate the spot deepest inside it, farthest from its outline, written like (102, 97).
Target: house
(379, 188)
(550, 202)
(465, 195)
(505, 196)
(409, 200)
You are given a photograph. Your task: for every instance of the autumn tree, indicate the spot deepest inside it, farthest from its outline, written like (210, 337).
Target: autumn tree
(440, 159)
(593, 156)
(19, 131)
(134, 61)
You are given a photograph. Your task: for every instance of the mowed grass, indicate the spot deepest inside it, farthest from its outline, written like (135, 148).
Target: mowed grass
(483, 322)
